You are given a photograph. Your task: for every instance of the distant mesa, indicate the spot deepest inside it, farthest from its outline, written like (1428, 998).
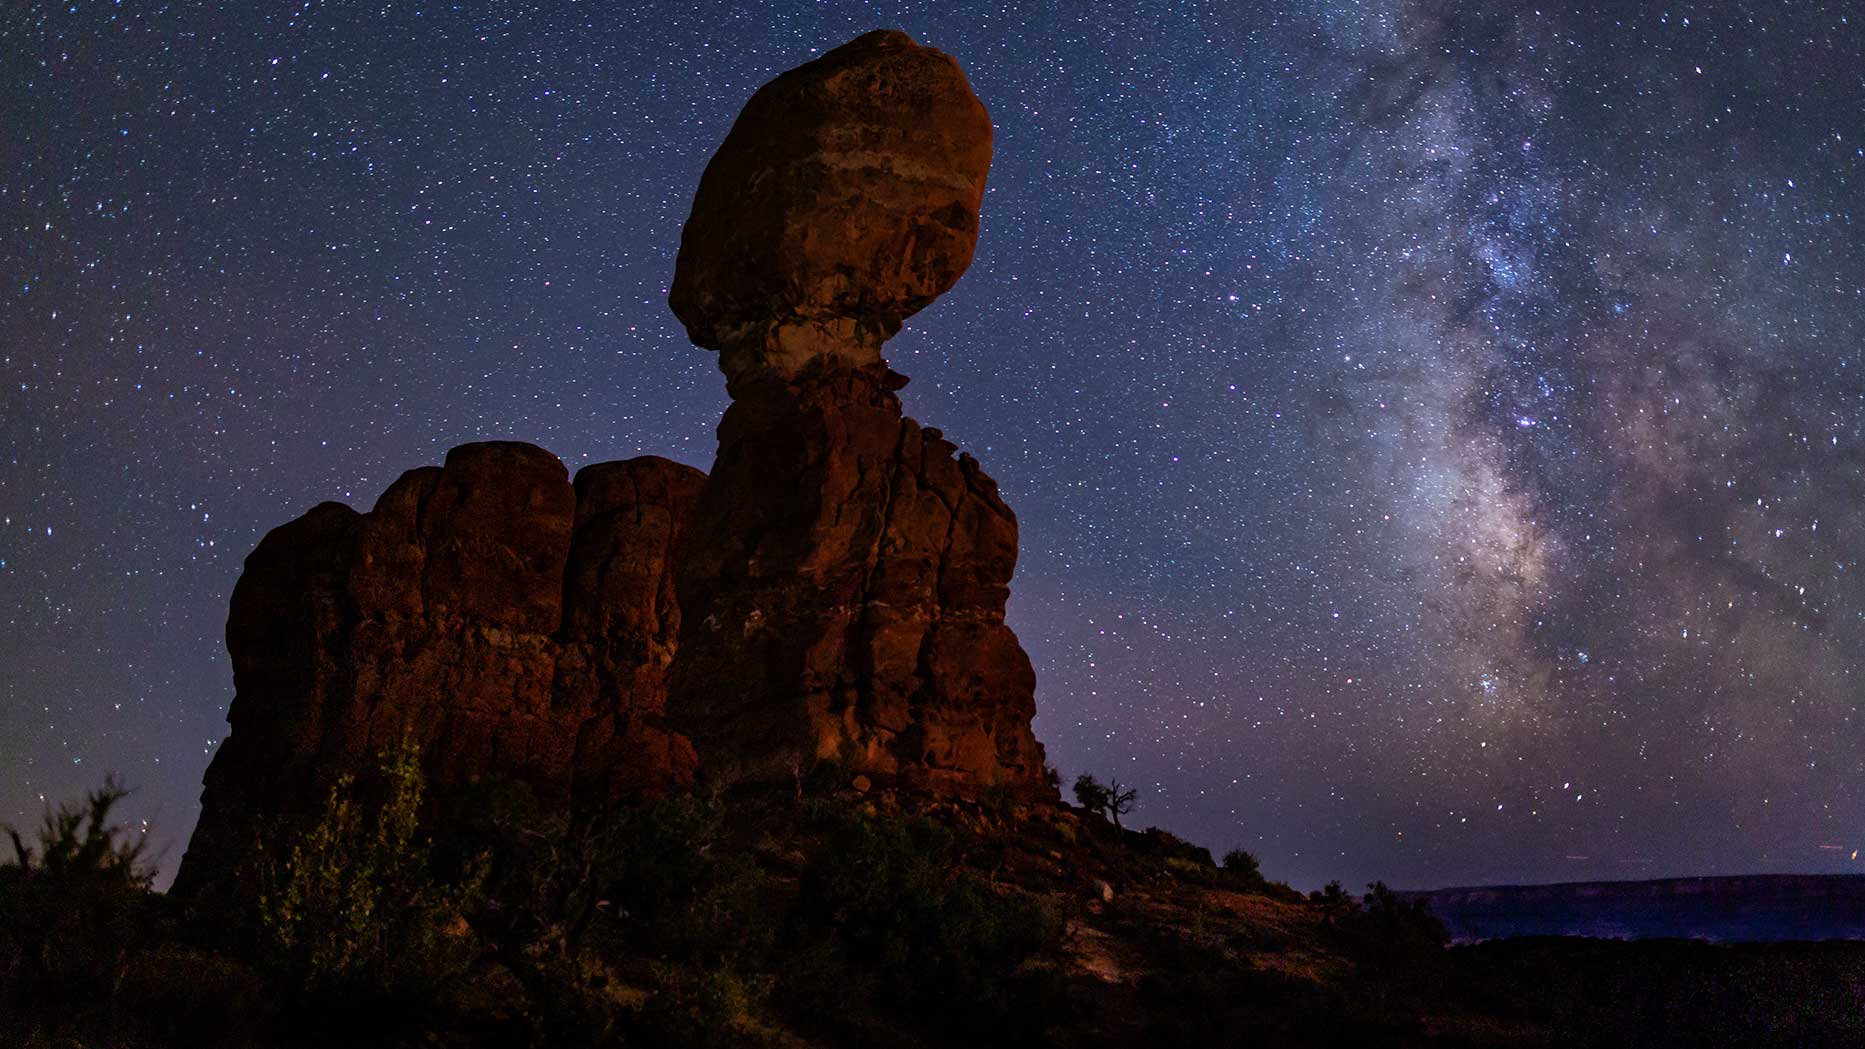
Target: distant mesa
(1740, 908)
(833, 592)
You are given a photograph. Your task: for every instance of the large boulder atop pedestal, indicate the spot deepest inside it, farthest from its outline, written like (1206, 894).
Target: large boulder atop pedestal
(845, 575)
(844, 200)
(834, 593)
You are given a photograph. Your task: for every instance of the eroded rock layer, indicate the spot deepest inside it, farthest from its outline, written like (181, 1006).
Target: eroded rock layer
(512, 623)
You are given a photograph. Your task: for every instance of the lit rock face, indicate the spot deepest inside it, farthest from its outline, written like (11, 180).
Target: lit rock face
(844, 576)
(844, 200)
(514, 624)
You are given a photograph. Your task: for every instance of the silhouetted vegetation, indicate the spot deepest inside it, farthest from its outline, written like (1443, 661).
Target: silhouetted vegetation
(1109, 799)
(707, 920)
(1668, 994)
(75, 904)
(1242, 869)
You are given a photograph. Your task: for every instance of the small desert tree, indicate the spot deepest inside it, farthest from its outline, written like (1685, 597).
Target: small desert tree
(1120, 801)
(1109, 799)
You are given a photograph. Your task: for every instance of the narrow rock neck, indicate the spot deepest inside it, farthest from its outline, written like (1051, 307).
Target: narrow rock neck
(800, 350)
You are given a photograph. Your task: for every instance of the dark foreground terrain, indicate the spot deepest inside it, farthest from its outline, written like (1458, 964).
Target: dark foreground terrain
(818, 916)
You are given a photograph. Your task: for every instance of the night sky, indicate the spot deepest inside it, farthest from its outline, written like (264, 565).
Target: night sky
(1438, 430)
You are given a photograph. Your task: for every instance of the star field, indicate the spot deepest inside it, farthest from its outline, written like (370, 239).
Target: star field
(1438, 430)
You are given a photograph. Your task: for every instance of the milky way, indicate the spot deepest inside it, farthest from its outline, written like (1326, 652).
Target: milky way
(1438, 430)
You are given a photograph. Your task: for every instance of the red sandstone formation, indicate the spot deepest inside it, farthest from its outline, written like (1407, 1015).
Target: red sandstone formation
(516, 625)
(844, 578)
(844, 575)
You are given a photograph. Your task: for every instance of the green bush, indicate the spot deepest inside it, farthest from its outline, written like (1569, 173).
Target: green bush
(895, 919)
(350, 909)
(682, 889)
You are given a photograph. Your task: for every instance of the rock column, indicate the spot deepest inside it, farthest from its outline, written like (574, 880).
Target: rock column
(844, 576)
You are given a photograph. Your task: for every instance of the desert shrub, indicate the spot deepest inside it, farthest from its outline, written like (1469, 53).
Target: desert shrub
(1399, 946)
(705, 1008)
(73, 908)
(176, 995)
(565, 899)
(1111, 800)
(1241, 864)
(350, 907)
(546, 874)
(1001, 798)
(1403, 925)
(682, 889)
(889, 914)
(1334, 898)
(1242, 870)
(540, 904)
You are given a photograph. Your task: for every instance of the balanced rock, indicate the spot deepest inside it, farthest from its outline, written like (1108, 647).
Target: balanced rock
(844, 578)
(513, 624)
(834, 592)
(844, 200)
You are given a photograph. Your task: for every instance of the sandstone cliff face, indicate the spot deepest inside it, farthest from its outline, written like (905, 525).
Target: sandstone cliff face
(515, 624)
(845, 579)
